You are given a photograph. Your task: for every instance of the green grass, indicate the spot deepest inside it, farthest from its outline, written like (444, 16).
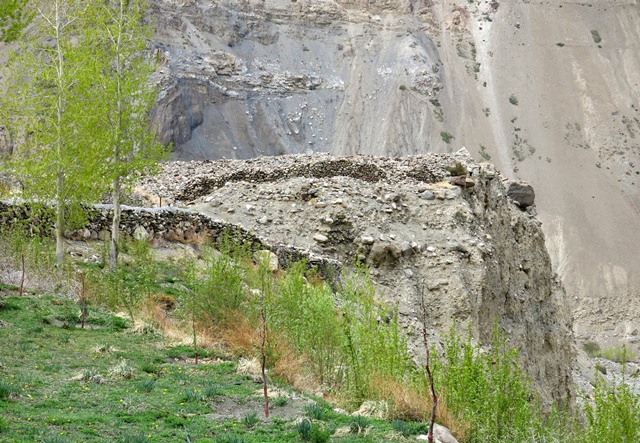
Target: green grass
(107, 384)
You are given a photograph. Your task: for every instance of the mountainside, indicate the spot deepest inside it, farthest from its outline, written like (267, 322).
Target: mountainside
(546, 91)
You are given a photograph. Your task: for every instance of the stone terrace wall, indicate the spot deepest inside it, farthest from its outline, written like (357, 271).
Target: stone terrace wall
(158, 224)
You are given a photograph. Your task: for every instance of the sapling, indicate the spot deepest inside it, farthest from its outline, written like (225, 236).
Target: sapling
(427, 364)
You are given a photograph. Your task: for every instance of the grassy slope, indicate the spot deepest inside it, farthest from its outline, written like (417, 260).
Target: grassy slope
(63, 389)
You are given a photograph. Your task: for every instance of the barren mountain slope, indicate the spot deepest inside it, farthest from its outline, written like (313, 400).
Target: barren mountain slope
(547, 90)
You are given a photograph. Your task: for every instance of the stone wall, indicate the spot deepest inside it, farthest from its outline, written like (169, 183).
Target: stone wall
(154, 225)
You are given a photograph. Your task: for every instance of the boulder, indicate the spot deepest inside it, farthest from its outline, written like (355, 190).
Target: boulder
(384, 252)
(521, 193)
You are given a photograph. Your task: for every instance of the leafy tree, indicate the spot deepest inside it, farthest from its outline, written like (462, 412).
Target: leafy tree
(13, 19)
(122, 96)
(45, 111)
(77, 107)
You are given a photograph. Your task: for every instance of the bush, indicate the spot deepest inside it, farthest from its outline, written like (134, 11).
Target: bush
(614, 414)
(513, 100)
(591, 348)
(488, 390)
(619, 354)
(446, 137)
(217, 286)
(305, 316)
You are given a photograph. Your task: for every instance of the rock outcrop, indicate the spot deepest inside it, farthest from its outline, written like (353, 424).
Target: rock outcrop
(474, 254)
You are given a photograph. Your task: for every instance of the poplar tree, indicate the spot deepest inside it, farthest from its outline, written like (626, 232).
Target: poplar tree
(46, 113)
(77, 106)
(123, 95)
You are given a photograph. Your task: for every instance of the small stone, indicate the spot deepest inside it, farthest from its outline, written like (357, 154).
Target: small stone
(267, 257)
(406, 249)
(427, 195)
(366, 240)
(263, 220)
(320, 238)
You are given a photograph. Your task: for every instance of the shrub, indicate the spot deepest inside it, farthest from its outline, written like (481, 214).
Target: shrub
(619, 354)
(6, 390)
(250, 420)
(488, 390)
(457, 169)
(217, 287)
(311, 432)
(595, 35)
(316, 411)
(513, 100)
(305, 316)
(614, 414)
(591, 348)
(446, 137)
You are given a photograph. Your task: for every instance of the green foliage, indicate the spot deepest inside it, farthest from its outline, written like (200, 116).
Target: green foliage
(513, 100)
(306, 317)
(120, 94)
(359, 424)
(446, 137)
(614, 414)
(487, 390)
(309, 431)
(129, 286)
(6, 390)
(595, 35)
(374, 345)
(457, 169)
(14, 17)
(77, 104)
(316, 412)
(45, 112)
(619, 354)
(217, 286)
(407, 428)
(250, 420)
(591, 348)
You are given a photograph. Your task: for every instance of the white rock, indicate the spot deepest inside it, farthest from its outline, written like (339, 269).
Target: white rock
(269, 257)
(320, 238)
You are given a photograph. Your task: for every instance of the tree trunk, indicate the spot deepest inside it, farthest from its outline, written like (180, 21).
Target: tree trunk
(60, 220)
(115, 225)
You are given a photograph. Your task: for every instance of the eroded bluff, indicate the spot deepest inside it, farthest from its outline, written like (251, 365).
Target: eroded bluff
(476, 255)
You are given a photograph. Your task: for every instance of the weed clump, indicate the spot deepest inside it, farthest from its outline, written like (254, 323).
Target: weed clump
(457, 169)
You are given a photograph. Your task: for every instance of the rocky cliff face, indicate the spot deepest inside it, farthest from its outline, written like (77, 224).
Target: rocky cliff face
(474, 255)
(548, 92)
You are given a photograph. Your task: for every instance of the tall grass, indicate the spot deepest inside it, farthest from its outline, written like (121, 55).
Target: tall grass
(130, 284)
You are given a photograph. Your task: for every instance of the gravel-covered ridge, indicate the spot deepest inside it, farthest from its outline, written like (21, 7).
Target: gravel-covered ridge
(184, 182)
